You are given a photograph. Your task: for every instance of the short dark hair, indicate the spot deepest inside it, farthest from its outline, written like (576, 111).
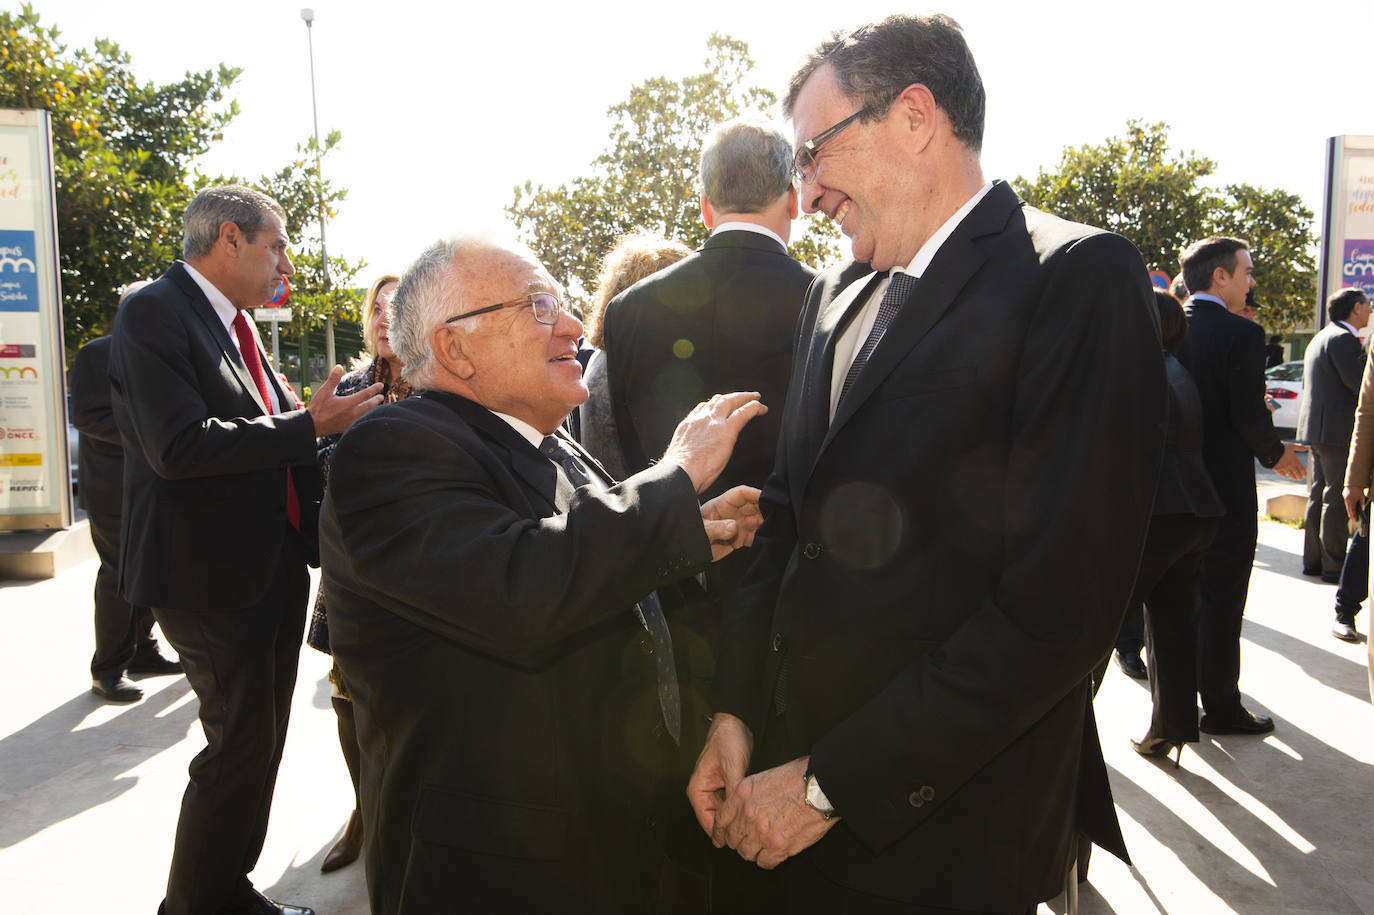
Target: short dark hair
(875, 62)
(1173, 323)
(1201, 259)
(1342, 303)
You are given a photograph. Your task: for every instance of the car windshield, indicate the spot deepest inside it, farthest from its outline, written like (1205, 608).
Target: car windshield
(1286, 371)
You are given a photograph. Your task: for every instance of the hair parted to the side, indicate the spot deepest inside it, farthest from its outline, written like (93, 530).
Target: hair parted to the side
(635, 256)
(1340, 304)
(745, 166)
(221, 203)
(1201, 259)
(874, 64)
(420, 303)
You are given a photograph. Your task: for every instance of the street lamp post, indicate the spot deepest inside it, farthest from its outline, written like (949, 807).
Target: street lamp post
(308, 15)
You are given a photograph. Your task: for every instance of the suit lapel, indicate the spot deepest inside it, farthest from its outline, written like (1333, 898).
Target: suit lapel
(537, 472)
(200, 306)
(957, 260)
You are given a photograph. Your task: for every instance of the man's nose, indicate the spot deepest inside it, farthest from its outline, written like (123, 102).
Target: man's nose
(568, 325)
(285, 266)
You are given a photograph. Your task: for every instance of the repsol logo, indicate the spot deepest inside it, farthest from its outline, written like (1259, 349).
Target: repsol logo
(22, 371)
(26, 487)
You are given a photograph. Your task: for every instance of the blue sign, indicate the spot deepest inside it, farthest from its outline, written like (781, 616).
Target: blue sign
(18, 271)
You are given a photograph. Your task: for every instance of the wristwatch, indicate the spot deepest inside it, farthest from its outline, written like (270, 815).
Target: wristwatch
(815, 798)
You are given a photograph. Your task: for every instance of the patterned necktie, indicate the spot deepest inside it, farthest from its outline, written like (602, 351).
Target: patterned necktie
(649, 610)
(248, 348)
(898, 288)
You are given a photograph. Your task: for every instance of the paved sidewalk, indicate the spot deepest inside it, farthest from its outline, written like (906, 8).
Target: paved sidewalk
(89, 792)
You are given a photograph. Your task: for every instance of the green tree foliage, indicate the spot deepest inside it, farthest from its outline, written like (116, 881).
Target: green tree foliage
(1136, 186)
(647, 178)
(121, 150)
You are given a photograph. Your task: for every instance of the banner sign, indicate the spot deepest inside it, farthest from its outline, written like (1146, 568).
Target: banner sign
(35, 478)
(1348, 238)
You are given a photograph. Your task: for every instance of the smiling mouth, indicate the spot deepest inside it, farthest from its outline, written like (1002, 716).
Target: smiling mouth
(840, 213)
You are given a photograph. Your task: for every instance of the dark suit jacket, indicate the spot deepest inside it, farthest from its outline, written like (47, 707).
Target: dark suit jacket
(721, 319)
(944, 562)
(100, 454)
(204, 464)
(1333, 367)
(504, 690)
(1184, 486)
(1225, 355)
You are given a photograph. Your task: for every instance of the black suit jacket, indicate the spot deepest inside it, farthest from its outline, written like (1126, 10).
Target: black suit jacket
(1333, 368)
(204, 463)
(100, 453)
(1184, 485)
(504, 690)
(943, 563)
(1225, 355)
(721, 319)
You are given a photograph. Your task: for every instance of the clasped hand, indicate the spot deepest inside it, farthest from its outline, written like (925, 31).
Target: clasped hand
(731, 519)
(765, 817)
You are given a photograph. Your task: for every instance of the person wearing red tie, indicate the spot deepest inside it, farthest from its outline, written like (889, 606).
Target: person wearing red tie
(221, 496)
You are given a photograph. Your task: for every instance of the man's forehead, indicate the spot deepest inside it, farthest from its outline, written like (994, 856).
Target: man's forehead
(814, 104)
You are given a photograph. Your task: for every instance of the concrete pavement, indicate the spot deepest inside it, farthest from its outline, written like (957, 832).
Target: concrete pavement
(89, 791)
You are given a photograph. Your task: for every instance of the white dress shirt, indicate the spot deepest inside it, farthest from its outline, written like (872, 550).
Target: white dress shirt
(227, 312)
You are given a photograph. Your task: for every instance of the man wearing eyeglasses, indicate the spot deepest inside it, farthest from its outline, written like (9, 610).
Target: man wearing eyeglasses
(967, 467)
(494, 604)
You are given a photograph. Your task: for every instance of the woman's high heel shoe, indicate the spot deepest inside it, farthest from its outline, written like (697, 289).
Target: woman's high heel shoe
(1159, 748)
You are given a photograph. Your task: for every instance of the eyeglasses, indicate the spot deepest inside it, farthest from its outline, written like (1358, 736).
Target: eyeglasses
(804, 162)
(545, 305)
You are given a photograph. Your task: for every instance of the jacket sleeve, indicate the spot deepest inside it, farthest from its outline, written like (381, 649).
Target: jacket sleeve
(1361, 463)
(88, 382)
(1245, 396)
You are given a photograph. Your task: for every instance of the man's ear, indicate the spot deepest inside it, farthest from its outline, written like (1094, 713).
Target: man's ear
(917, 105)
(793, 204)
(231, 237)
(447, 344)
(708, 219)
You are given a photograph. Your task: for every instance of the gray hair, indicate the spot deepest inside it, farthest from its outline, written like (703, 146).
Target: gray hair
(221, 203)
(745, 166)
(875, 62)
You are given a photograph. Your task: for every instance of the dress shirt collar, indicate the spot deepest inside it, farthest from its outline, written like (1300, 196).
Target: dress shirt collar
(923, 257)
(1207, 297)
(218, 300)
(1349, 327)
(748, 227)
(526, 431)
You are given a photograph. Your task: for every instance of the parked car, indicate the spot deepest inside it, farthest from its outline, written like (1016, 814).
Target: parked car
(1284, 384)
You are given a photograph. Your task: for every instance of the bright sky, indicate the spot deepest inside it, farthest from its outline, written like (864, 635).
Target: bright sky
(444, 108)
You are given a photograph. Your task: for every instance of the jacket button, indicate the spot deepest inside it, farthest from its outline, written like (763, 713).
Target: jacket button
(646, 645)
(777, 641)
(811, 550)
(914, 799)
(927, 793)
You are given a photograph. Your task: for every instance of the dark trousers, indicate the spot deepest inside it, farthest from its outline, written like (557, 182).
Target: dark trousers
(242, 666)
(1354, 583)
(1325, 528)
(121, 629)
(1225, 581)
(1168, 588)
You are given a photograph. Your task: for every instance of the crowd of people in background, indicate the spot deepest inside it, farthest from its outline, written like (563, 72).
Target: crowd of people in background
(765, 590)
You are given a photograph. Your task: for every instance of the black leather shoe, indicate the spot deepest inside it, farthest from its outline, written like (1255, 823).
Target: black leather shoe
(261, 905)
(1344, 629)
(150, 661)
(117, 689)
(1312, 573)
(1132, 666)
(1242, 722)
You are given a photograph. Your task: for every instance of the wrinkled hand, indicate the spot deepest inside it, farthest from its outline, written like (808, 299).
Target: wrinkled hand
(1354, 501)
(720, 767)
(731, 519)
(332, 413)
(702, 442)
(766, 818)
(1290, 465)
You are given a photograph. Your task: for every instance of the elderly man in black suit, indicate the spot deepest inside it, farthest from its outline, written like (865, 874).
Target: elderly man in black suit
(492, 606)
(221, 496)
(123, 632)
(1224, 353)
(1334, 365)
(963, 485)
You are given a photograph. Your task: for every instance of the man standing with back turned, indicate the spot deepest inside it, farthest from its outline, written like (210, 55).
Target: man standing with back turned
(221, 497)
(965, 476)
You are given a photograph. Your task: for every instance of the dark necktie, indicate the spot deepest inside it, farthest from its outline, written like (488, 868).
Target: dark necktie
(898, 288)
(649, 610)
(248, 348)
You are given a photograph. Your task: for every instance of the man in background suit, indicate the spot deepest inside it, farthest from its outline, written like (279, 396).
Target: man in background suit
(1334, 365)
(490, 604)
(1224, 352)
(906, 665)
(721, 319)
(123, 632)
(221, 497)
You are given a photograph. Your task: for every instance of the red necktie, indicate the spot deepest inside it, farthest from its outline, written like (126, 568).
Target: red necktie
(248, 348)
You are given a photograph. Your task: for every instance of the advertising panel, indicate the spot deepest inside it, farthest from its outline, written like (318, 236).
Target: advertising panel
(35, 487)
(1348, 240)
